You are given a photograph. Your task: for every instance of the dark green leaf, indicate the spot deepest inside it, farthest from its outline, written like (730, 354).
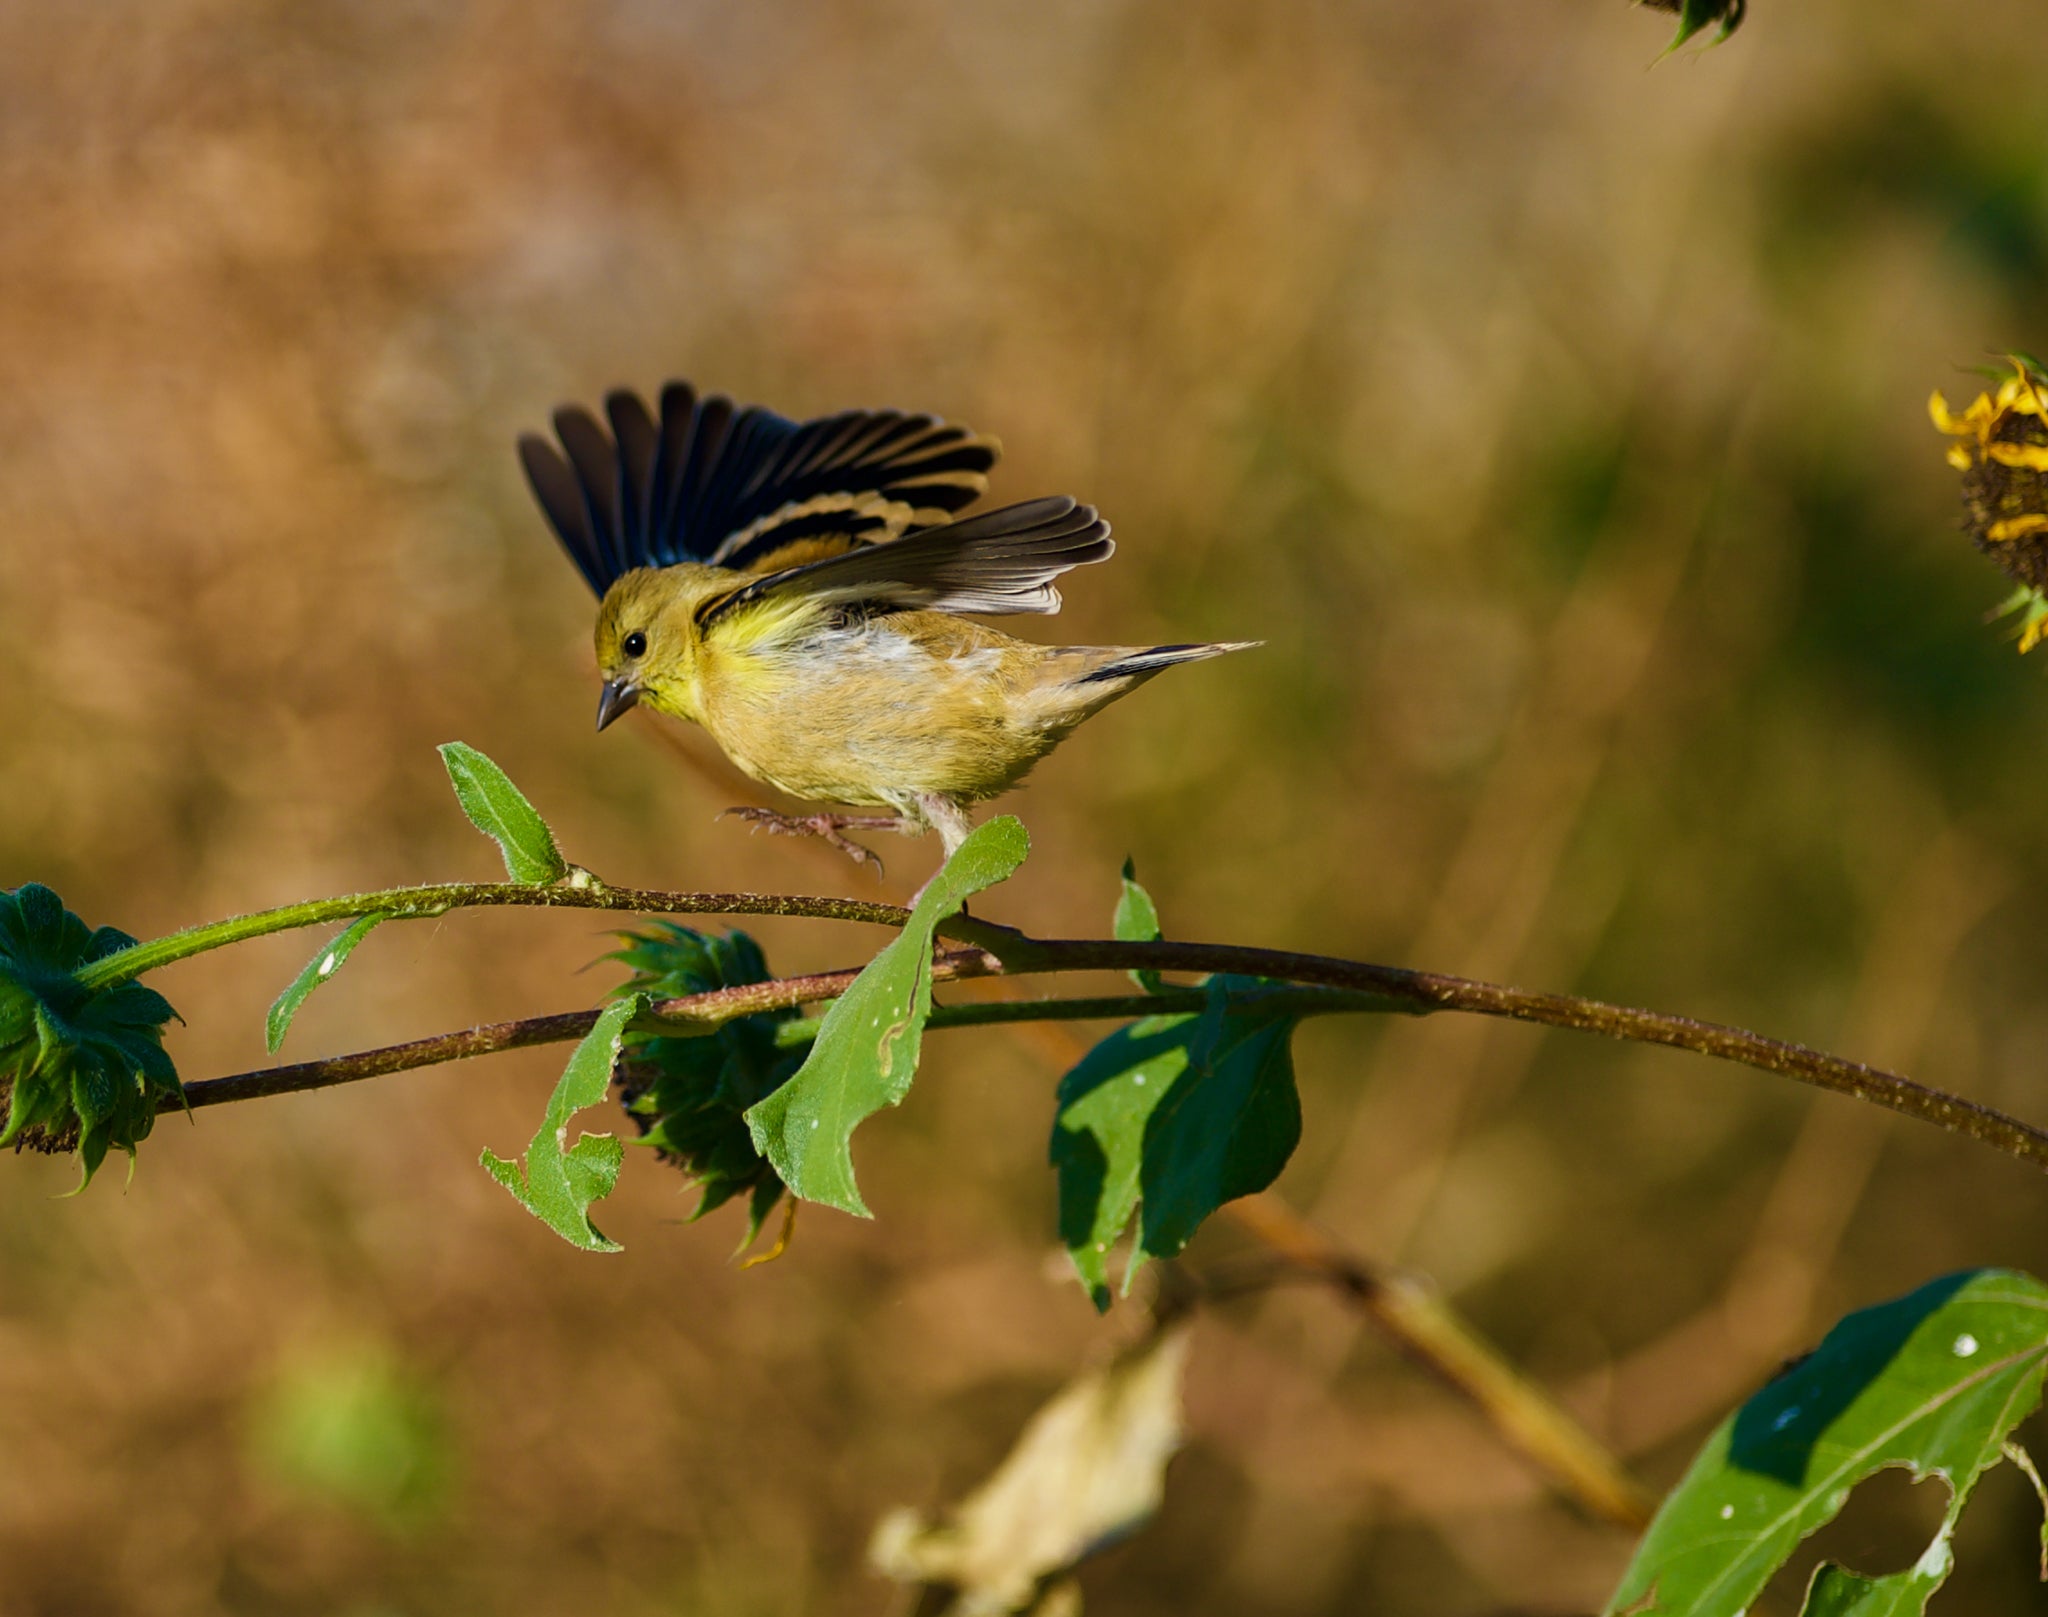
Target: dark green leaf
(560, 1180)
(867, 1047)
(500, 810)
(80, 1068)
(1934, 1382)
(322, 966)
(1137, 921)
(1167, 1120)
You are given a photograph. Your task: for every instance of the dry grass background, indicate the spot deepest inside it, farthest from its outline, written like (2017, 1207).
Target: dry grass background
(1558, 422)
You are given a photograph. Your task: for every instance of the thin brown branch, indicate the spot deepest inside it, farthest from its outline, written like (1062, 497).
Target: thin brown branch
(1415, 1316)
(1002, 951)
(694, 1010)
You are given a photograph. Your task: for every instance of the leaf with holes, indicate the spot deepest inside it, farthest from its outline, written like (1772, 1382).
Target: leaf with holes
(561, 1180)
(1933, 1382)
(321, 967)
(500, 810)
(868, 1043)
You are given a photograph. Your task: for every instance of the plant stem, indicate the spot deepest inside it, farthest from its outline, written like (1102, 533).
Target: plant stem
(1006, 953)
(579, 891)
(1416, 1316)
(703, 1012)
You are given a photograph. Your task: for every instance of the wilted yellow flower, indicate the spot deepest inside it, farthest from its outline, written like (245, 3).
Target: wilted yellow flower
(2001, 449)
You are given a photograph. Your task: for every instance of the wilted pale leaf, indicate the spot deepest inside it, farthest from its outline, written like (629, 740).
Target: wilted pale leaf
(1088, 1470)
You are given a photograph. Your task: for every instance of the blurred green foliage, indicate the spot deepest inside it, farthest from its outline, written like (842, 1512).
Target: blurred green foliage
(351, 1426)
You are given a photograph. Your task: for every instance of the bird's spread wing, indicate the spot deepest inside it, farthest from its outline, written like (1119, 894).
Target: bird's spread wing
(743, 488)
(998, 563)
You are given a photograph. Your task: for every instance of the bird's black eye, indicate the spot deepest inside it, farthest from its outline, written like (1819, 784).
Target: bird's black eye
(634, 645)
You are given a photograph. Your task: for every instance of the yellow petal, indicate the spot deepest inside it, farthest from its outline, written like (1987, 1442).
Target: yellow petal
(1938, 411)
(1959, 458)
(2016, 527)
(2029, 457)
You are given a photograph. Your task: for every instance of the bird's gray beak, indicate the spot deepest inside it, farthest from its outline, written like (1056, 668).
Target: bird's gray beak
(614, 699)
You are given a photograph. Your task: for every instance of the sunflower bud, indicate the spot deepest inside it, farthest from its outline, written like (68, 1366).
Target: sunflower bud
(2001, 449)
(1693, 15)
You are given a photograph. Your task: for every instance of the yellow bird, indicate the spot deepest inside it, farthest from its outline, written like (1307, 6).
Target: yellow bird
(806, 593)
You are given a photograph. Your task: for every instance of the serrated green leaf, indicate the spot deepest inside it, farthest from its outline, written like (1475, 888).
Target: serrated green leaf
(500, 810)
(1136, 921)
(560, 1180)
(1167, 1120)
(867, 1047)
(317, 970)
(1934, 1382)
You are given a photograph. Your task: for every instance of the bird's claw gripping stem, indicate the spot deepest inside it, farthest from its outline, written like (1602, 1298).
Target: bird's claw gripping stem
(827, 828)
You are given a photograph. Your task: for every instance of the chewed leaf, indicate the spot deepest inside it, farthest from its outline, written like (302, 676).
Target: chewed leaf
(1137, 921)
(322, 966)
(1168, 1119)
(500, 810)
(561, 1180)
(1933, 1382)
(867, 1047)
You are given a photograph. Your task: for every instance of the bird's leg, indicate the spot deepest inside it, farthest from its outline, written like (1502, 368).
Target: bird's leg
(827, 828)
(949, 819)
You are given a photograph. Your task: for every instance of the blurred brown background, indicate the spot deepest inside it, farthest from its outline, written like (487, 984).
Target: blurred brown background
(1557, 419)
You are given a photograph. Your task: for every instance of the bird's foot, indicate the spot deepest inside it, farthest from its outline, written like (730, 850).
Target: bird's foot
(827, 828)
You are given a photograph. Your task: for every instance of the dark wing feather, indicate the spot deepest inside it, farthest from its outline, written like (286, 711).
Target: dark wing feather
(742, 488)
(999, 563)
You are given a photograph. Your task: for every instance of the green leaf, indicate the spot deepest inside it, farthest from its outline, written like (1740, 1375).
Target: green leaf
(561, 1180)
(867, 1047)
(1933, 1382)
(500, 810)
(1137, 921)
(322, 966)
(1168, 1119)
(80, 1068)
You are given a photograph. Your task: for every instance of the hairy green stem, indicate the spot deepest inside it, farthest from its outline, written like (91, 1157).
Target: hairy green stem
(578, 891)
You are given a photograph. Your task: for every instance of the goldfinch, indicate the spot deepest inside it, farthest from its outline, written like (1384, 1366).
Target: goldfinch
(807, 593)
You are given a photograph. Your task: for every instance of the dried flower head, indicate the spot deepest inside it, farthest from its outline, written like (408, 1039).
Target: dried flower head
(2001, 449)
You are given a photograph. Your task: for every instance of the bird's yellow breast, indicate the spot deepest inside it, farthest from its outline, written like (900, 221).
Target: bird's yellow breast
(876, 711)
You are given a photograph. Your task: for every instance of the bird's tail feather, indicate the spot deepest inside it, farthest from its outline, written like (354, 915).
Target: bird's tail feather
(1138, 664)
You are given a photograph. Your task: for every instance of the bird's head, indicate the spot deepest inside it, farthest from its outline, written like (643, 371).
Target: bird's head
(647, 639)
